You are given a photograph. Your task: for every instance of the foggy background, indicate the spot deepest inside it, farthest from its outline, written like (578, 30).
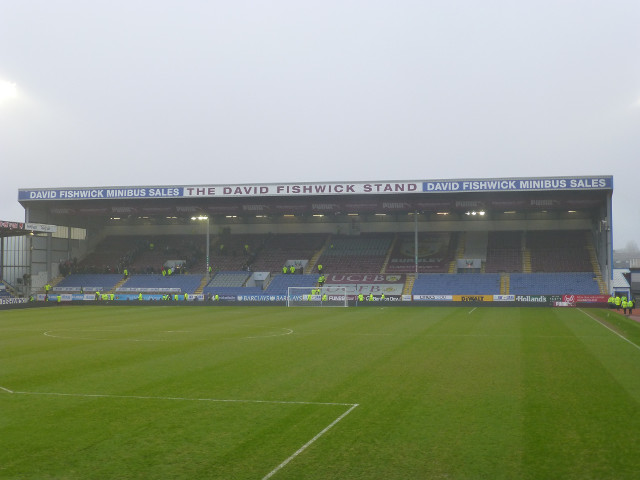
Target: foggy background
(222, 92)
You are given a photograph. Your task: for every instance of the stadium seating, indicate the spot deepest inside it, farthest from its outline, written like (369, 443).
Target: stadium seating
(281, 283)
(581, 283)
(88, 282)
(457, 284)
(559, 251)
(277, 249)
(228, 279)
(435, 252)
(357, 254)
(460, 284)
(186, 283)
(159, 249)
(504, 252)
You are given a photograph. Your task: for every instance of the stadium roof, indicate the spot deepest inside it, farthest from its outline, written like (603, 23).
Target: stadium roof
(69, 205)
(588, 183)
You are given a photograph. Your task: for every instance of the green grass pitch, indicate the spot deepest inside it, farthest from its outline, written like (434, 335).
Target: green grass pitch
(153, 392)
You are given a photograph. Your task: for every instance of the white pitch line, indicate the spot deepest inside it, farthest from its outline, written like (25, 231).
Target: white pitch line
(287, 331)
(50, 334)
(306, 445)
(281, 402)
(147, 397)
(469, 313)
(610, 329)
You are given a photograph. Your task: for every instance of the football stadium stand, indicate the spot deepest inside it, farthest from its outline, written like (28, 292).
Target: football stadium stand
(88, 282)
(504, 252)
(161, 283)
(435, 253)
(276, 250)
(461, 284)
(362, 254)
(535, 262)
(580, 283)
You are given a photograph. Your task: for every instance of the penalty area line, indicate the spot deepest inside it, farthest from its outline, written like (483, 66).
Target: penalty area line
(308, 444)
(351, 406)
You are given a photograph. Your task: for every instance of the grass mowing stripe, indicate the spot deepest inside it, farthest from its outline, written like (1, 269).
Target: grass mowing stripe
(579, 419)
(442, 392)
(610, 329)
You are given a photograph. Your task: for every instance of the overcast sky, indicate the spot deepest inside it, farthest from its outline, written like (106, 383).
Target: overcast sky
(217, 92)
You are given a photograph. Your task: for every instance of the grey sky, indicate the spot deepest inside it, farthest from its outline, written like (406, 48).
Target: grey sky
(215, 92)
